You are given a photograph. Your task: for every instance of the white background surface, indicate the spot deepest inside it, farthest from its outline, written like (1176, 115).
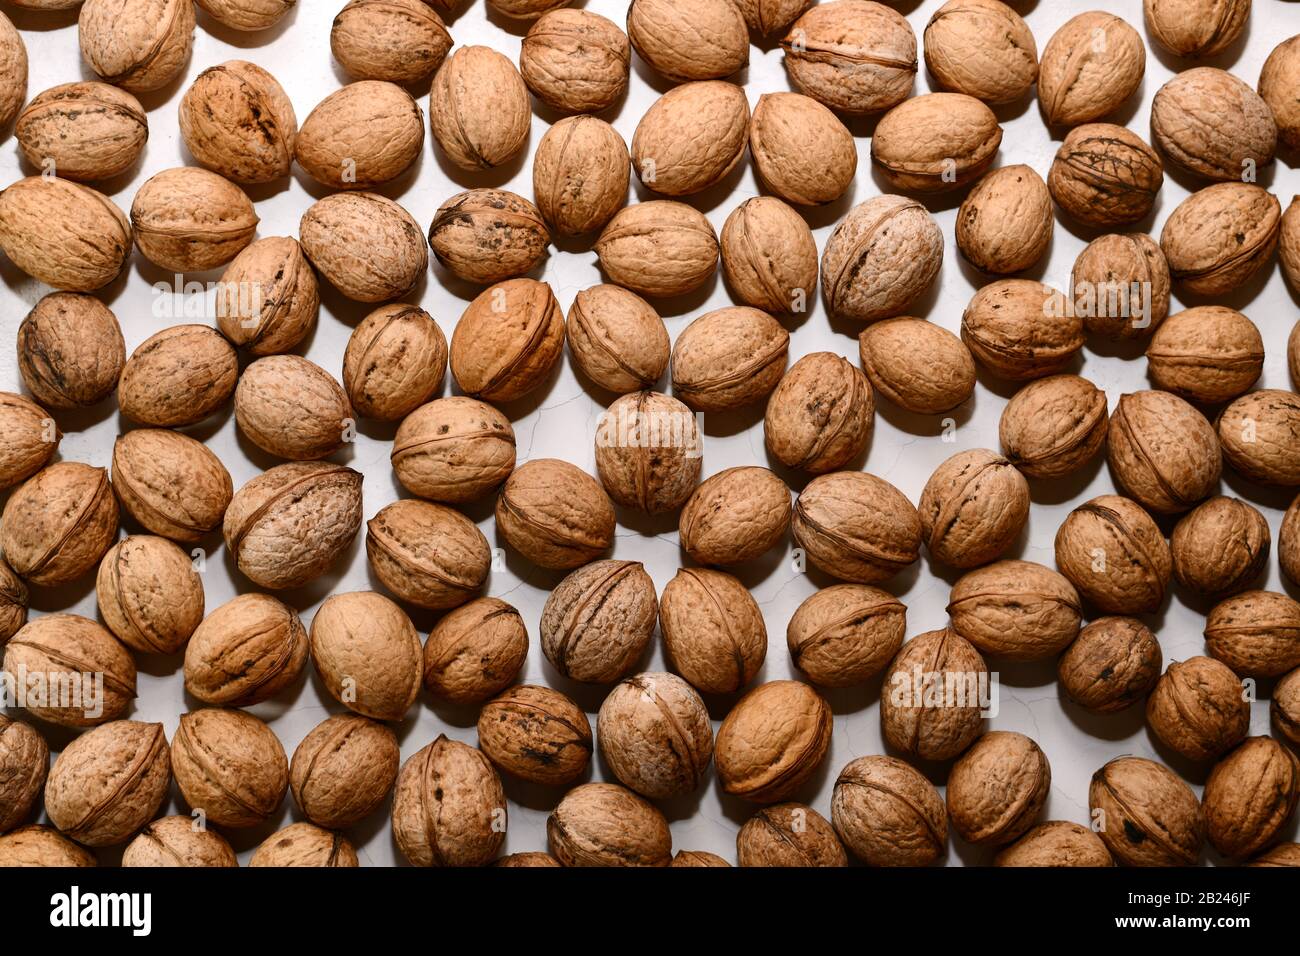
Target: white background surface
(559, 421)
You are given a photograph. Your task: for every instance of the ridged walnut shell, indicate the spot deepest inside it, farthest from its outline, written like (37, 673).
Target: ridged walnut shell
(789, 834)
(881, 257)
(888, 814)
(1220, 236)
(88, 131)
(1162, 451)
(60, 648)
(304, 844)
(449, 808)
(13, 71)
(13, 602)
(343, 770)
(555, 514)
(981, 48)
(1207, 354)
(188, 219)
(178, 376)
(58, 524)
(292, 408)
(575, 61)
(973, 508)
(772, 741)
(820, 415)
(1285, 707)
(139, 45)
(782, 126)
(655, 734)
(478, 108)
(1279, 75)
(1213, 125)
(935, 142)
(1288, 254)
(713, 630)
(363, 135)
(1111, 665)
(236, 120)
(769, 256)
(1288, 542)
(734, 516)
(172, 484)
(24, 764)
(454, 449)
(367, 653)
(149, 594)
(697, 858)
(1284, 854)
(659, 248)
(428, 554)
(39, 845)
(686, 40)
(693, 136)
(597, 623)
(1250, 797)
(603, 824)
(247, 15)
(395, 362)
(856, 527)
(29, 437)
(1220, 547)
(176, 842)
(1196, 28)
(1054, 426)
(917, 365)
(1114, 553)
(1057, 843)
(930, 706)
(526, 859)
(846, 633)
(766, 17)
(475, 651)
(268, 298)
(580, 174)
(649, 452)
(1199, 708)
(1145, 814)
(1105, 175)
(70, 350)
(245, 652)
(1090, 66)
(1004, 224)
(488, 235)
(230, 765)
(507, 340)
(617, 339)
(367, 246)
(997, 788)
(67, 236)
(1016, 610)
(401, 41)
(536, 734)
(1256, 633)
(728, 358)
(1259, 432)
(1021, 329)
(1120, 286)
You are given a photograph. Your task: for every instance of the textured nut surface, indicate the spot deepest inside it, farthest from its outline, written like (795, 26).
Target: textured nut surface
(917, 365)
(478, 108)
(174, 842)
(655, 473)
(39, 845)
(555, 514)
(188, 219)
(343, 770)
(783, 126)
(1250, 797)
(1258, 433)
(508, 340)
(70, 350)
(1256, 633)
(449, 808)
(713, 630)
(856, 527)
(367, 133)
(1055, 844)
(1220, 236)
(366, 245)
(788, 834)
(846, 633)
(1220, 547)
(1104, 175)
(395, 362)
(659, 248)
(942, 723)
(237, 121)
(428, 554)
(536, 734)
(888, 814)
(580, 174)
(13, 71)
(60, 648)
(772, 741)
(735, 516)
(1162, 451)
(1213, 125)
(172, 484)
(292, 408)
(1111, 664)
(475, 651)
(178, 376)
(268, 298)
(1206, 354)
(245, 652)
(981, 48)
(530, 859)
(453, 449)
(973, 508)
(1016, 610)
(1288, 542)
(66, 235)
(766, 17)
(247, 15)
(617, 339)
(1004, 224)
(1288, 254)
(603, 824)
(1054, 426)
(1089, 67)
(13, 602)
(1021, 329)
(1196, 28)
(598, 621)
(1285, 706)
(24, 764)
(881, 257)
(1280, 73)
(488, 235)
(1151, 818)
(304, 844)
(401, 41)
(576, 61)
(1114, 553)
(1199, 708)
(997, 788)
(29, 437)
(149, 594)
(820, 415)
(1120, 286)
(769, 256)
(689, 39)
(139, 45)
(230, 765)
(693, 136)
(728, 358)
(935, 142)
(655, 734)
(58, 524)
(89, 130)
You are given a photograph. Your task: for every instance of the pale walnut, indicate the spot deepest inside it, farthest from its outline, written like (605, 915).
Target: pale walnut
(395, 362)
(176, 842)
(361, 136)
(655, 735)
(172, 484)
(178, 376)
(454, 450)
(59, 523)
(1213, 125)
(66, 235)
(599, 620)
(401, 41)
(1120, 286)
(687, 40)
(230, 765)
(343, 770)
(1208, 354)
(367, 246)
(580, 175)
(1196, 28)
(603, 824)
(555, 514)
(857, 527)
(245, 652)
(783, 126)
(149, 594)
(1004, 224)
(60, 648)
(449, 808)
(576, 61)
(88, 130)
(935, 142)
(845, 634)
(1089, 67)
(820, 415)
(659, 248)
(997, 788)
(1258, 433)
(1021, 329)
(769, 256)
(428, 554)
(478, 108)
(728, 358)
(1015, 610)
(617, 339)
(268, 297)
(1220, 236)
(981, 48)
(188, 219)
(693, 136)
(139, 45)
(648, 452)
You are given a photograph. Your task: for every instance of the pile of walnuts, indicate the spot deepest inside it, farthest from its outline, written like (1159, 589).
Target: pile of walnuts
(1118, 557)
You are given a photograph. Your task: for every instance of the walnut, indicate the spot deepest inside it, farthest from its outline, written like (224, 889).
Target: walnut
(1055, 844)
(245, 652)
(247, 15)
(973, 508)
(1199, 708)
(981, 48)
(820, 416)
(24, 764)
(1015, 610)
(1258, 435)
(188, 219)
(303, 844)
(1285, 707)
(789, 834)
(659, 248)
(917, 365)
(766, 17)
(39, 845)
(603, 824)
(149, 594)
(58, 524)
(782, 127)
(367, 246)
(1145, 814)
(66, 235)
(268, 298)
(691, 858)
(230, 765)
(598, 621)
(935, 142)
(693, 136)
(237, 121)
(580, 175)
(1256, 633)
(648, 452)
(1089, 67)
(13, 602)
(526, 859)
(1120, 286)
(178, 376)
(1021, 329)
(70, 351)
(1054, 426)
(1196, 28)
(292, 408)
(1220, 547)
(139, 45)
(488, 235)
(1114, 553)
(174, 842)
(881, 257)
(1207, 354)
(772, 741)
(13, 70)
(29, 437)
(737, 515)
(453, 449)
(1250, 797)
(475, 651)
(846, 633)
(1105, 176)
(507, 341)
(449, 808)
(655, 735)
(856, 527)
(555, 514)
(617, 339)
(1288, 254)
(361, 136)
(689, 39)
(1111, 665)
(1288, 542)
(87, 131)
(401, 41)
(536, 734)
(728, 358)
(1279, 75)
(1213, 125)
(769, 256)
(576, 61)
(1004, 224)
(173, 485)
(930, 706)
(343, 769)
(713, 630)
(1162, 451)
(888, 814)
(395, 362)
(428, 554)
(1220, 236)
(62, 647)
(997, 788)
(478, 108)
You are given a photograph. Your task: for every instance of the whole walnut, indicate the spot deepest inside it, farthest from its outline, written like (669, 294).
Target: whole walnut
(292, 408)
(1089, 67)
(728, 358)
(693, 136)
(526, 859)
(973, 508)
(109, 782)
(1199, 708)
(1256, 633)
(475, 651)
(245, 652)
(139, 45)
(779, 133)
(603, 824)
(789, 834)
(1111, 665)
(820, 416)
(1220, 236)
(478, 108)
(655, 735)
(247, 15)
(287, 526)
(855, 56)
(365, 134)
(766, 17)
(917, 365)
(395, 362)
(66, 235)
(772, 741)
(686, 40)
(1288, 254)
(507, 340)
(149, 594)
(1196, 28)
(29, 437)
(1288, 542)
(737, 515)
(659, 248)
(1207, 354)
(39, 845)
(1105, 175)
(83, 131)
(188, 219)
(555, 514)
(178, 376)
(648, 452)
(856, 527)
(1016, 610)
(1284, 854)
(178, 841)
(1213, 125)
(1120, 286)
(488, 235)
(61, 648)
(1279, 75)
(304, 844)
(58, 524)
(617, 339)
(598, 621)
(575, 61)
(1004, 224)
(1021, 329)
(428, 554)
(454, 449)
(536, 734)
(172, 484)
(449, 808)
(1145, 814)
(1258, 435)
(1054, 426)
(1162, 451)
(268, 299)
(70, 351)
(930, 706)
(230, 765)
(997, 788)
(769, 256)
(1285, 707)
(1250, 797)
(1114, 553)
(935, 142)
(343, 769)
(13, 70)
(981, 48)
(580, 175)
(881, 257)
(846, 633)
(401, 41)
(1056, 843)
(1220, 547)
(237, 121)
(366, 245)
(24, 764)
(714, 634)
(693, 858)
(13, 602)
(888, 814)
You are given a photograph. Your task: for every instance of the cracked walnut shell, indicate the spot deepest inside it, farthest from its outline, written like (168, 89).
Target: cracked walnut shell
(1250, 797)
(1054, 426)
(366, 245)
(973, 508)
(365, 134)
(935, 142)
(772, 741)
(230, 765)
(188, 219)
(448, 807)
(713, 630)
(1256, 633)
(58, 524)
(1146, 815)
(888, 813)
(174, 842)
(1162, 451)
(737, 515)
(1207, 354)
(475, 651)
(655, 735)
(820, 415)
(237, 121)
(507, 340)
(536, 734)
(1114, 553)
(401, 41)
(1105, 176)
(343, 770)
(555, 514)
(178, 376)
(603, 824)
(728, 358)
(1258, 433)
(845, 634)
(61, 648)
(139, 45)
(1021, 329)
(86, 131)
(1016, 610)
(428, 554)
(66, 235)
(788, 835)
(930, 706)
(597, 623)
(478, 108)
(780, 132)
(245, 652)
(686, 40)
(1004, 224)
(917, 365)
(648, 452)
(488, 235)
(172, 484)
(1089, 67)
(981, 48)
(1220, 547)
(692, 137)
(880, 258)
(617, 339)
(1111, 665)
(454, 450)
(856, 527)
(580, 175)
(575, 61)
(395, 362)
(24, 764)
(1220, 236)
(149, 594)
(659, 248)
(769, 256)
(1199, 708)
(1213, 125)
(997, 788)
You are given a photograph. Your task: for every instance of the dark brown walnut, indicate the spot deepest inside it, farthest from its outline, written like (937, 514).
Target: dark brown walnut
(507, 340)
(1114, 553)
(655, 735)
(555, 514)
(172, 484)
(237, 121)
(1089, 68)
(649, 452)
(59, 523)
(1111, 665)
(686, 40)
(1260, 436)
(981, 48)
(617, 339)
(536, 734)
(820, 416)
(187, 219)
(149, 594)
(930, 704)
(1021, 329)
(1250, 797)
(488, 235)
(728, 358)
(603, 824)
(693, 858)
(714, 634)
(789, 834)
(1199, 708)
(70, 351)
(428, 554)
(1278, 76)
(63, 234)
(475, 651)
(769, 256)
(454, 449)
(1220, 547)
(917, 365)
(87, 131)
(1145, 814)
(24, 764)
(62, 648)
(1105, 175)
(175, 842)
(576, 61)
(779, 133)
(973, 508)
(1213, 125)
(888, 814)
(230, 765)
(1285, 707)
(29, 437)
(268, 299)
(1017, 610)
(737, 515)
(598, 621)
(361, 136)
(1288, 542)
(1207, 354)
(997, 788)
(1256, 633)
(395, 362)
(367, 654)
(245, 652)
(305, 844)
(1220, 236)
(580, 175)
(692, 137)
(846, 633)
(1004, 224)
(401, 41)
(1196, 28)
(449, 808)
(13, 602)
(530, 859)
(1162, 451)
(178, 376)
(1120, 286)
(292, 408)
(772, 741)
(1057, 843)
(39, 845)
(1054, 426)
(658, 248)
(366, 245)
(935, 142)
(343, 770)
(478, 108)
(856, 527)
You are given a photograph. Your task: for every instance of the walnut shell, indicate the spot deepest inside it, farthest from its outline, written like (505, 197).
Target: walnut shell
(230, 765)
(1278, 76)
(1250, 797)
(997, 788)
(488, 235)
(930, 707)
(245, 652)
(603, 824)
(1105, 176)
(449, 808)
(1162, 451)
(478, 108)
(685, 40)
(343, 769)
(917, 365)
(247, 15)
(454, 449)
(1111, 665)
(1256, 633)
(1288, 542)
(178, 376)
(401, 41)
(292, 408)
(58, 524)
(880, 258)
(1146, 815)
(1090, 66)
(174, 842)
(555, 514)
(139, 45)
(789, 834)
(1213, 125)
(83, 131)
(395, 362)
(39, 845)
(13, 602)
(846, 633)
(1220, 547)
(1207, 354)
(820, 416)
(617, 339)
(287, 526)
(655, 735)
(580, 175)
(659, 248)
(475, 651)
(648, 452)
(1284, 854)
(1054, 426)
(728, 358)
(1288, 254)
(70, 350)
(981, 48)
(60, 648)
(367, 246)
(714, 635)
(973, 508)
(692, 858)
(236, 120)
(536, 734)
(888, 814)
(188, 219)
(526, 859)
(149, 594)
(737, 515)
(694, 135)
(1015, 610)
(268, 299)
(303, 844)
(13, 70)
(1114, 553)
(935, 142)
(1258, 435)
(66, 235)
(1196, 28)
(1285, 707)
(428, 554)
(1220, 236)
(1021, 329)
(575, 61)
(1004, 224)
(173, 485)
(365, 134)
(1057, 843)
(507, 340)
(29, 437)
(766, 17)
(782, 126)
(1120, 286)
(772, 741)
(1199, 708)
(598, 621)
(24, 764)
(769, 256)
(856, 527)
